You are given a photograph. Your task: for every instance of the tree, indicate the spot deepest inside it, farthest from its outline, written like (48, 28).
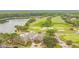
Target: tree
(50, 32)
(18, 27)
(48, 23)
(69, 42)
(1, 41)
(49, 41)
(75, 46)
(14, 36)
(21, 28)
(31, 20)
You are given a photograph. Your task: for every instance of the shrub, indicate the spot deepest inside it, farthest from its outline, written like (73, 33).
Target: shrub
(69, 42)
(29, 43)
(37, 41)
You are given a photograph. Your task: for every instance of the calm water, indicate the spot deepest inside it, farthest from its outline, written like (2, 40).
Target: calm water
(9, 27)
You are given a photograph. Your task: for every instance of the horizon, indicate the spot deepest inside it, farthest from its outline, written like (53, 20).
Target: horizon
(40, 11)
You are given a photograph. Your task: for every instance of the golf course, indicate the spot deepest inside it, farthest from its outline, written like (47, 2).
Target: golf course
(39, 30)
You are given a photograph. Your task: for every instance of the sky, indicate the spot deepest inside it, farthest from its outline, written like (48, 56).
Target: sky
(39, 5)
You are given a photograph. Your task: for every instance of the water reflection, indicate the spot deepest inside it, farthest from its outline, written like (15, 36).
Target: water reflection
(9, 27)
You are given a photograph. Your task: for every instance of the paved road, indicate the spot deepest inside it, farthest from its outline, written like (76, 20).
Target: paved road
(62, 43)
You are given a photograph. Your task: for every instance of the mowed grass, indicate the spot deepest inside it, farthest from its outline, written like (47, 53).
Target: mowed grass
(35, 29)
(72, 36)
(38, 23)
(57, 20)
(59, 24)
(67, 34)
(36, 26)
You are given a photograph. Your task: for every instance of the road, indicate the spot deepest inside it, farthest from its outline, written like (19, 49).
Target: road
(62, 43)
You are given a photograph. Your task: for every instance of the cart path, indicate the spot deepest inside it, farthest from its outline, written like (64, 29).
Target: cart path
(62, 43)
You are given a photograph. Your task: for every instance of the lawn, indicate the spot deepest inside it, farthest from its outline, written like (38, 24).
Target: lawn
(38, 23)
(57, 20)
(36, 29)
(66, 34)
(59, 24)
(36, 26)
(72, 36)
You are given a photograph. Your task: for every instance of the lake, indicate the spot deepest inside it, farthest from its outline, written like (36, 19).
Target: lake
(9, 27)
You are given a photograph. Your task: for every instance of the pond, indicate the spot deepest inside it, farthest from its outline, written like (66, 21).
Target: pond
(9, 27)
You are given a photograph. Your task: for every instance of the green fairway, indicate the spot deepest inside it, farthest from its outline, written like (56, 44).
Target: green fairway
(67, 34)
(61, 26)
(57, 20)
(57, 23)
(36, 26)
(36, 29)
(73, 37)
(38, 23)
